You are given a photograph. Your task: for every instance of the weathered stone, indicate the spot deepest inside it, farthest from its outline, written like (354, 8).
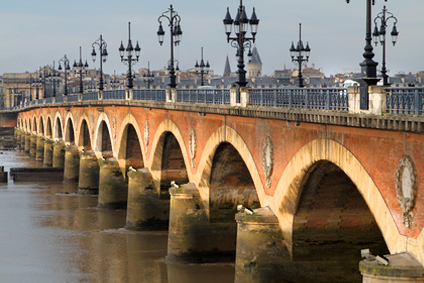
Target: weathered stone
(192, 238)
(39, 149)
(58, 155)
(113, 191)
(402, 267)
(72, 161)
(48, 153)
(260, 254)
(89, 171)
(145, 209)
(32, 145)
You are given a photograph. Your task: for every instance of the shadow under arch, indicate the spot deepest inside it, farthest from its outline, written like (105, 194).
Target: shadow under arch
(48, 133)
(103, 137)
(84, 139)
(228, 135)
(69, 129)
(41, 127)
(130, 151)
(168, 133)
(58, 130)
(322, 151)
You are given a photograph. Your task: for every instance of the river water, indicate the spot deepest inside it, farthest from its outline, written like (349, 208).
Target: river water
(50, 234)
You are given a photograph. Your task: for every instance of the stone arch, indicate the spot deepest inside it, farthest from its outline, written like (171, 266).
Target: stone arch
(230, 185)
(228, 135)
(70, 130)
(29, 124)
(26, 125)
(169, 134)
(58, 129)
(34, 128)
(103, 137)
(289, 189)
(130, 151)
(49, 131)
(84, 139)
(41, 127)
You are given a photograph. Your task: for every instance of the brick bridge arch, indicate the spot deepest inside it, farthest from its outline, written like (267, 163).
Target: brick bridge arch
(289, 189)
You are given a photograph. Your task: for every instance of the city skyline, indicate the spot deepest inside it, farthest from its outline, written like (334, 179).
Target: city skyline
(36, 33)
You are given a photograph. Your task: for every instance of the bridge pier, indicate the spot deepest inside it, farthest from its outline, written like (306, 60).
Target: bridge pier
(145, 209)
(72, 164)
(48, 153)
(88, 183)
(27, 142)
(113, 191)
(260, 254)
(18, 136)
(192, 238)
(58, 159)
(39, 148)
(401, 267)
(32, 145)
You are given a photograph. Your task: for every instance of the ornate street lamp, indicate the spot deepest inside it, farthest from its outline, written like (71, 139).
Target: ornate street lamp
(65, 61)
(380, 35)
(202, 69)
(175, 34)
(148, 78)
(240, 41)
(102, 45)
(81, 69)
(368, 66)
(130, 52)
(300, 54)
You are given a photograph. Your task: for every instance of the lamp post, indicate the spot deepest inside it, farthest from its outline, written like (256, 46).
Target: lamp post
(300, 54)
(175, 35)
(43, 76)
(240, 41)
(148, 78)
(130, 50)
(66, 68)
(380, 35)
(368, 66)
(102, 45)
(202, 69)
(80, 68)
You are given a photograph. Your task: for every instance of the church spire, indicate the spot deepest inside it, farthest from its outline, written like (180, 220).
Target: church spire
(227, 69)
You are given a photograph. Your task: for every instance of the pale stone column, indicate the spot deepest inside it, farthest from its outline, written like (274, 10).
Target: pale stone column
(58, 155)
(191, 237)
(48, 153)
(32, 145)
(113, 191)
(377, 100)
(72, 162)
(39, 150)
(89, 170)
(260, 254)
(145, 210)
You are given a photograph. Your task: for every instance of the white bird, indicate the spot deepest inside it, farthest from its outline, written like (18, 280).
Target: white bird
(175, 184)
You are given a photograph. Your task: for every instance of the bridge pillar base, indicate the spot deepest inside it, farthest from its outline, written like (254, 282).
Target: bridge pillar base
(113, 191)
(58, 159)
(18, 137)
(145, 210)
(48, 153)
(72, 164)
(260, 254)
(32, 145)
(39, 149)
(89, 170)
(402, 267)
(192, 238)
(27, 142)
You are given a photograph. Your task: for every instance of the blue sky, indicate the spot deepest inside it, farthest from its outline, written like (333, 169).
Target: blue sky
(34, 33)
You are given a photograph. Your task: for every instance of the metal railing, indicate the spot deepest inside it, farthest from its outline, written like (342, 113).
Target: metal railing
(208, 96)
(405, 100)
(150, 94)
(114, 94)
(301, 98)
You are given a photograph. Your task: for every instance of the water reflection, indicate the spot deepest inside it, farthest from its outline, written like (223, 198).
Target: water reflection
(50, 234)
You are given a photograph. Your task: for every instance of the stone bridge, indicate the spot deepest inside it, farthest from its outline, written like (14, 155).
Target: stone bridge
(316, 186)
